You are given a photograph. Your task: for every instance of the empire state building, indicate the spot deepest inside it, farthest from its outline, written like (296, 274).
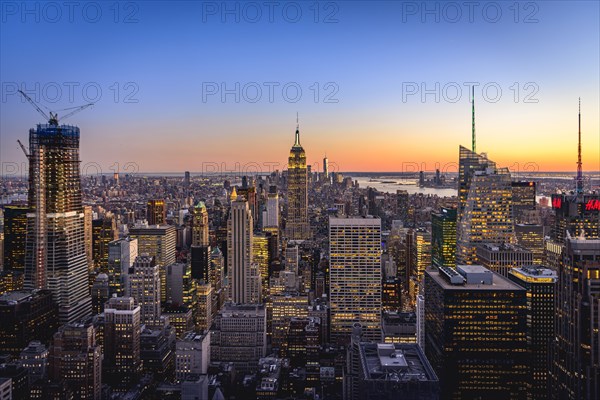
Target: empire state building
(297, 227)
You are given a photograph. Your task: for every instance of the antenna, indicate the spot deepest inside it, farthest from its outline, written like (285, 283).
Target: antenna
(473, 148)
(579, 183)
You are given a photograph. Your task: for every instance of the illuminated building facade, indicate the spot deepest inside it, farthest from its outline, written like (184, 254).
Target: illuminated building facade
(523, 200)
(578, 214)
(243, 273)
(204, 311)
(443, 237)
(200, 249)
(156, 212)
(420, 258)
(260, 255)
(486, 215)
(158, 241)
(144, 287)
(476, 333)
(76, 359)
(355, 277)
(26, 315)
(104, 231)
(122, 329)
(531, 237)
(297, 227)
(284, 307)
(121, 255)
(55, 255)
(500, 258)
(239, 336)
(575, 364)
(192, 355)
(15, 233)
(539, 283)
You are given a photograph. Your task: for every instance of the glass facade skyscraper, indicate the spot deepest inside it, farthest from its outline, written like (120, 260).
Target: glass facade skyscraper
(55, 247)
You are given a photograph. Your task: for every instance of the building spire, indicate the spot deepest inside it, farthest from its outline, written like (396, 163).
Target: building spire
(579, 184)
(297, 141)
(473, 148)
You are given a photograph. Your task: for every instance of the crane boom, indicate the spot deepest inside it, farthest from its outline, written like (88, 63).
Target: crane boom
(76, 111)
(35, 105)
(23, 148)
(53, 118)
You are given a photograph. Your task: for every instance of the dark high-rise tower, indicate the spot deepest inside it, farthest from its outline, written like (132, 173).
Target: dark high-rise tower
(297, 227)
(156, 212)
(575, 365)
(55, 247)
(15, 232)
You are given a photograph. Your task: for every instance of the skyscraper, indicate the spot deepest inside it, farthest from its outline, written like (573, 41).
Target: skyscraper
(122, 329)
(159, 241)
(297, 227)
(104, 231)
(55, 247)
(355, 277)
(76, 358)
(156, 212)
(15, 233)
(539, 282)
(200, 249)
(243, 273)
(121, 255)
(272, 212)
(476, 333)
(485, 211)
(144, 287)
(443, 237)
(325, 168)
(575, 365)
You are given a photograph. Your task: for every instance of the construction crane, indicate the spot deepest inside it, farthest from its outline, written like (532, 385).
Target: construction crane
(23, 148)
(53, 118)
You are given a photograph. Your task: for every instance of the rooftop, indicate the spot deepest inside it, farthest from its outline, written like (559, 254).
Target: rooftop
(498, 281)
(400, 362)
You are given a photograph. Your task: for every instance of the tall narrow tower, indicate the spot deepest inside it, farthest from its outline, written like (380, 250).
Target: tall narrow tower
(297, 227)
(579, 187)
(55, 246)
(473, 148)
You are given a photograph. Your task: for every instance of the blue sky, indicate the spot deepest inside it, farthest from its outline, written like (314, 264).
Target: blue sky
(163, 55)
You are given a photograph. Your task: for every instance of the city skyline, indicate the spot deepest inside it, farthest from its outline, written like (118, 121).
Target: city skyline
(378, 84)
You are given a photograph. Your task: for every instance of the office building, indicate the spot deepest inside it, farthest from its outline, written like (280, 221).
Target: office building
(540, 284)
(296, 224)
(243, 273)
(104, 231)
(239, 336)
(144, 287)
(55, 257)
(26, 315)
(486, 213)
(531, 237)
(387, 371)
(76, 359)
(159, 241)
(476, 333)
(575, 365)
(443, 238)
(500, 258)
(15, 233)
(121, 255)
(122, 329)
(156, 212)
(34, 358)
(578, 214)
(200, 249)
(355, 277)
(192, 355)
